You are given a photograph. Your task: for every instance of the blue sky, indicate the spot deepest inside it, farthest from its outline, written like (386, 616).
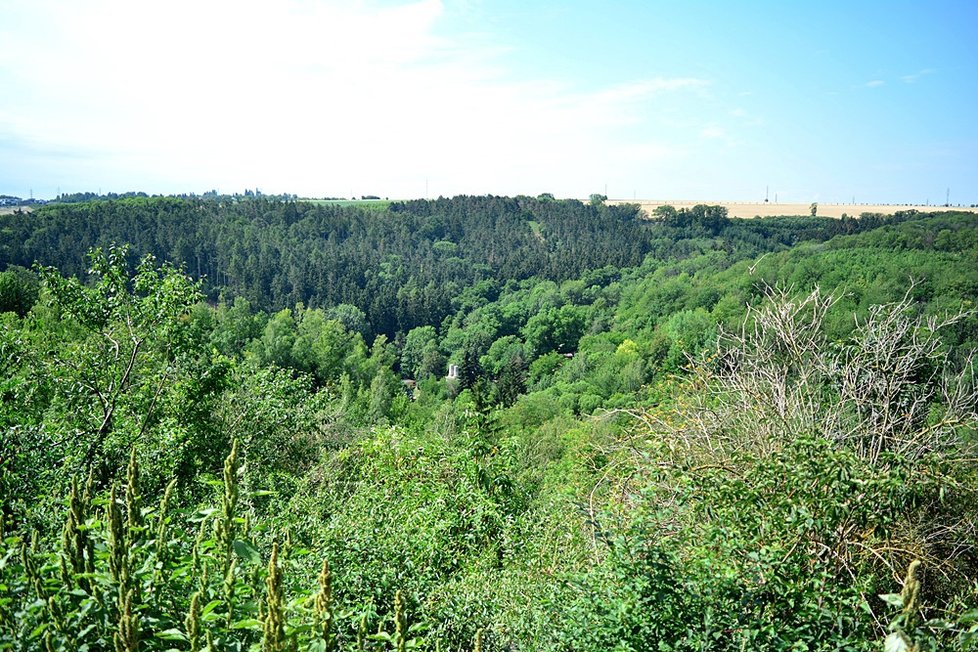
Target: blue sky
(824, 101)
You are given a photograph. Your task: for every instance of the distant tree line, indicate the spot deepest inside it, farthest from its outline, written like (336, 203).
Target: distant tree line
(403, 265)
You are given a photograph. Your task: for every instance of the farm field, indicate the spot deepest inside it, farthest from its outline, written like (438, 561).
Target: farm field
(771, 209)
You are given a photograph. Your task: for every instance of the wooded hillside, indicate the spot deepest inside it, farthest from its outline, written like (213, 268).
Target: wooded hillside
(229, 426)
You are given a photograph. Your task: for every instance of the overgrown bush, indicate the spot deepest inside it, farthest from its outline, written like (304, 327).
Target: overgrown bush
(131, 577)
(795, 485)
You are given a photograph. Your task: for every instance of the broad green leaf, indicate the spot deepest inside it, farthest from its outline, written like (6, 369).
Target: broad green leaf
(895, 643)
(317, 645)
(38, 631)
(894, 599)
(247, 552)
(172, 635)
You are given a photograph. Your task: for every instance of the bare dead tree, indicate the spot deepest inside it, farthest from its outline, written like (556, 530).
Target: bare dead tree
(890, 387)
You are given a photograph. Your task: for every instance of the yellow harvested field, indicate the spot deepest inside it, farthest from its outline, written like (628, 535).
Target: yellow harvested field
(770, 209)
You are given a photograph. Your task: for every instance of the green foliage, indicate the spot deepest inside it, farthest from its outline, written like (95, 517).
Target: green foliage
(664, 456)
(19, 290)
(543, 369)
(446, 505)
(555, 329)
(909, 632)
(124, 579)
(96, 370)
(416, 359)
(689, 333)
(384, 268)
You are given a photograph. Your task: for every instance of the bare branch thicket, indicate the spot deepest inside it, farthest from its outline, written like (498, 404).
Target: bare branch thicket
(766, 385)
(890, 387)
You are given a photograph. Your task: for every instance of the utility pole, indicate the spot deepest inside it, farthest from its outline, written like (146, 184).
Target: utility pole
(947, 197)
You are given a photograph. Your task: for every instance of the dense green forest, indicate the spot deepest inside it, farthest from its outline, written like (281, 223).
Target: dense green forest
(403, 265)
(231, 425)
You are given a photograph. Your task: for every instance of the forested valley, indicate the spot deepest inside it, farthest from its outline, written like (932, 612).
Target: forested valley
(485, 423)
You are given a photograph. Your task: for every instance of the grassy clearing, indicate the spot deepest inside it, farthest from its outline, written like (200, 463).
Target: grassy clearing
(376, 204)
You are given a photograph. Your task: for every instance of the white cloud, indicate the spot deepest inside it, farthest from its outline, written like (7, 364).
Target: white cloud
(320, 98)
(712, 132)
(746, 118)
(913, 78)
(876, 83)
